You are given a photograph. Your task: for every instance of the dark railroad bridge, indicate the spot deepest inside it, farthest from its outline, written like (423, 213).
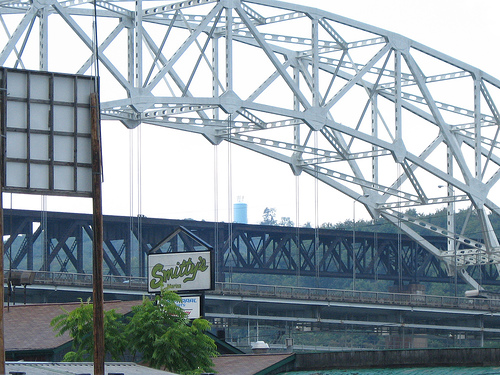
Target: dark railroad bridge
(61, 242)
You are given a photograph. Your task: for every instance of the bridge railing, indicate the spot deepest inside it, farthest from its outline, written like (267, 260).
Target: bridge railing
(85, 280)
(276, 291)
(354, 296)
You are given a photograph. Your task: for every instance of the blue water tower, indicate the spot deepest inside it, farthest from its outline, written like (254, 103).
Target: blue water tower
(240, 212)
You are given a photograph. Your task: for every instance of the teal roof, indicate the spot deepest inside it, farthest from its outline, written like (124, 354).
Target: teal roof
(406, 371)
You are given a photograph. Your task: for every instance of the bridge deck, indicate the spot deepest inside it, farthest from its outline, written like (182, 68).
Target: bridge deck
(246, 312)
(139, 285)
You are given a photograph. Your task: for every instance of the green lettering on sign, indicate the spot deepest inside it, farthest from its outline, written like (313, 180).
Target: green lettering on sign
(186, 269)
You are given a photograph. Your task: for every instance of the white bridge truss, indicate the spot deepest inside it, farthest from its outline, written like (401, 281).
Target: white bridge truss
(377, 116)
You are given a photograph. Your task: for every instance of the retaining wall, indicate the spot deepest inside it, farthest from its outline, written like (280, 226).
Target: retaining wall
(397, 358)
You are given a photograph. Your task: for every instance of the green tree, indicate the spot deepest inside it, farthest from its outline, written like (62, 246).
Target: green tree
(269, 217)
(160, 330)
(79, 325)
(286, 222)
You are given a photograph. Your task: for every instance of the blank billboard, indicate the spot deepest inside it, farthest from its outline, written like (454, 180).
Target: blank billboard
(46, 125)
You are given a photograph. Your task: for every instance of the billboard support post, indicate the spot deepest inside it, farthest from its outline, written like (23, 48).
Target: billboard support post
(2, 292)
(2, 247)
(97, 259)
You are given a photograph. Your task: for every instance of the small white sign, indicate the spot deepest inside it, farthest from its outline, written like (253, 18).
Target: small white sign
(191, 306)
(180, 272)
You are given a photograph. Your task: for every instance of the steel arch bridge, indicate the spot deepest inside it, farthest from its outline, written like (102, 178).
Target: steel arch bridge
(379, 117)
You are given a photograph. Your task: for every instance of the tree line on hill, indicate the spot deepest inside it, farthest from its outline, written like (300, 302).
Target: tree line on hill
(466, 222)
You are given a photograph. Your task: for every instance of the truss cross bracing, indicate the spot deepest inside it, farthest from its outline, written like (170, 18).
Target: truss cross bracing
(60, 243)
(331, 97)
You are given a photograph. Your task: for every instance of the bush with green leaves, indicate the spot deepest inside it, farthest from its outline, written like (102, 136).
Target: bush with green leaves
(79, 325)
(159, 330)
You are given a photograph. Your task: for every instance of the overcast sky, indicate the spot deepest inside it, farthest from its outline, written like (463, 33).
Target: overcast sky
(177, 174)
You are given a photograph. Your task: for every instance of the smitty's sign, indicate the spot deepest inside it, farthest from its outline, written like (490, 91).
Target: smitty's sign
(180, 272)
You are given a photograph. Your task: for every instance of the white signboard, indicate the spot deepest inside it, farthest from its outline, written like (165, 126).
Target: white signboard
(180, 272)
(191, 306)
(46, 129)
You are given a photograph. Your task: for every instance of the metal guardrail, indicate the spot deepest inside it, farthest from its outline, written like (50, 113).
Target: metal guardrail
(85, 280)
(275, 291)
(354, 296)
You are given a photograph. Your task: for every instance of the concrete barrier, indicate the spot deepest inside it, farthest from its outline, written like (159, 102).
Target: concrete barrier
(397, 358)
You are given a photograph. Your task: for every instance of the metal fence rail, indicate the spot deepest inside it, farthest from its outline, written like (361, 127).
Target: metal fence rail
(85, 280)
(354, 296)
(276, 291)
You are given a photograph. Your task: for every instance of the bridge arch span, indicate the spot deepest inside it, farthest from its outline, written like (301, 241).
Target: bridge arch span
(379, 117)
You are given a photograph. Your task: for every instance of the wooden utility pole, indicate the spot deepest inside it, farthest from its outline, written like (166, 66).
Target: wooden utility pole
(2, 342)
(2, 247)
(97, 259)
